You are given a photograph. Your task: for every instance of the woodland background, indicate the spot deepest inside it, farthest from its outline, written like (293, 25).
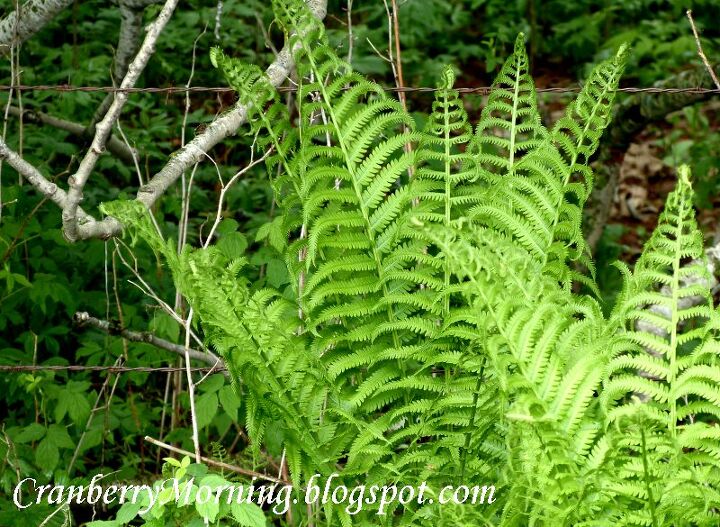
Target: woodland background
(68, 424)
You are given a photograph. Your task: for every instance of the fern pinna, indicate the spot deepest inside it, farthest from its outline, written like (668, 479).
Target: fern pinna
(442, 323)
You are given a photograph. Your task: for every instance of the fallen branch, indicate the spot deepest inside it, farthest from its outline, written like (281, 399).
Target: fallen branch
(83, 319)
(218, 464)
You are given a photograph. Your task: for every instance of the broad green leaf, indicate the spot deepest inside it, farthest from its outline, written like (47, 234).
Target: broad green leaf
(248, 514)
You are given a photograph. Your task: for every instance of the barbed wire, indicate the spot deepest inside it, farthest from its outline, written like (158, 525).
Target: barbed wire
(181, 90)
(20, 368)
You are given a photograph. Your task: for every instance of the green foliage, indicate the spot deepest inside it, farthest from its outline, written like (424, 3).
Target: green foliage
(408, 308)
(431, 331)
(183, 503)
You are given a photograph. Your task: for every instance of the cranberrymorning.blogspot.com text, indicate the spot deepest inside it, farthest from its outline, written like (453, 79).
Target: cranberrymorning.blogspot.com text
(277, 497)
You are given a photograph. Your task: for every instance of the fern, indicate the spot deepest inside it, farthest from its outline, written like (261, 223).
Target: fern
(432, 331)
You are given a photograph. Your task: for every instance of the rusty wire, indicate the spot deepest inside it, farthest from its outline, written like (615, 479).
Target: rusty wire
(480, 90)
(20, 368)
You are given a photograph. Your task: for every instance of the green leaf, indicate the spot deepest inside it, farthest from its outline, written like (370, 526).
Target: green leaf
(206, 407)
(59, 435)
(232, 245)
(208, 509)
(164, 326)
(213, 383)
(32, 432)
(277, 274)
(229, 401)
(128, 511)
(47, 455)
(74, 404)
(227, 226)
(248, 514)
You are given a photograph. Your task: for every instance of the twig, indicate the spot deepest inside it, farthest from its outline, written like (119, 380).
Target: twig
(104, 127)
(226, 187)
(350, 31)
(218, 464)
(394, 35)
(218, 19)
(83, 319)
(191, 389)
(96, 406)
(711, 71)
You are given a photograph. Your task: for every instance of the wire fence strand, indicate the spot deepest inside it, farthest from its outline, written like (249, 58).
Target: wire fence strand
(181, 90)
(20, 368)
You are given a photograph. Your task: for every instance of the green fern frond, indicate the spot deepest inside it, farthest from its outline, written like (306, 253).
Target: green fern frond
(512, 111)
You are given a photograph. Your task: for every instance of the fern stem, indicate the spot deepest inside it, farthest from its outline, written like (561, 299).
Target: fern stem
(471, 425)
(358, 191)
(446, 115)
(646, 474)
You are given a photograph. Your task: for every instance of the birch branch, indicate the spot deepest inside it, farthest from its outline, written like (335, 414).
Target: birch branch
(33, 16)
(83, 319)
(33, 176)
(131, 18)
(78, 180)
(115, 146)
(194, 151)
(139, 3)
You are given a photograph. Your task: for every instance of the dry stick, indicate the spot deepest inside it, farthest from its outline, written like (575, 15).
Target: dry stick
(218, 19)
(186, 188)
(191, 389)
(96, 406)
(218, 464)
(136, 163)
(394, 35)
(83, 319)
(225, 187)
(182, 239)
(104, 127)
(711, 71)
(163, 415)
(350, 31)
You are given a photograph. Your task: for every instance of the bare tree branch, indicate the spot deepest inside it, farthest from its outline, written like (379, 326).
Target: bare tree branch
(35, 178)
(194, 152)
(83, 319)
(115, 146)
(77, 224)
(78, 180)
(128, 43)
(139, 3)
(33, 16)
